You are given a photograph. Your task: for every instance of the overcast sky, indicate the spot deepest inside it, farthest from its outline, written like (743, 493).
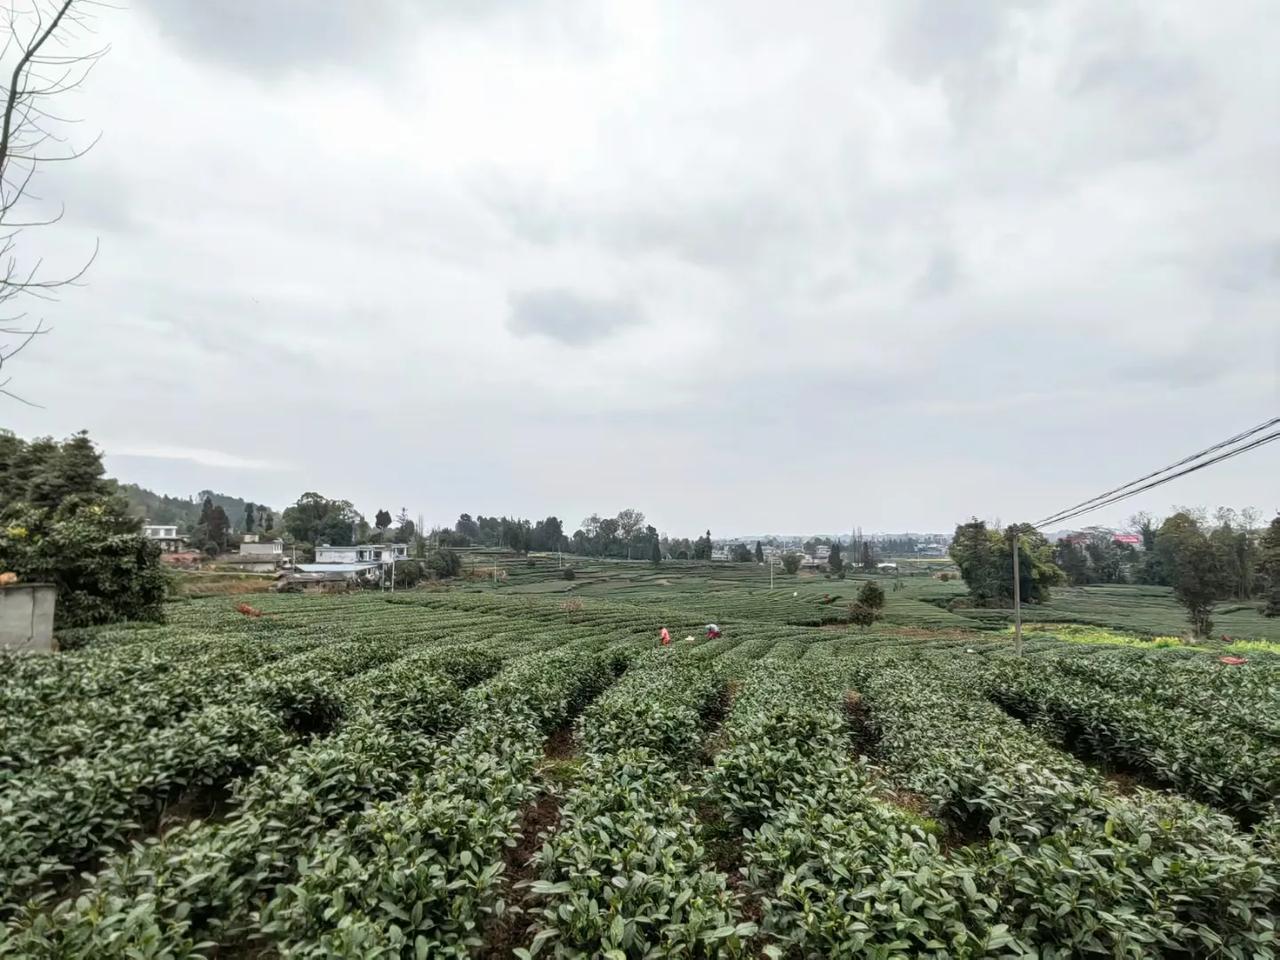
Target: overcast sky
(747, 265)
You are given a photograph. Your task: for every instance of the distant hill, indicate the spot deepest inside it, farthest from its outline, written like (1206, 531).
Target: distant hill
(184, 511)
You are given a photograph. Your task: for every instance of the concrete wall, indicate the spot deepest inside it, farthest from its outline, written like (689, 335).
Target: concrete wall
(26, 616)
(335, 554)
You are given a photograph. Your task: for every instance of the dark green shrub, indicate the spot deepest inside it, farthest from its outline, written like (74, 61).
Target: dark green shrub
(871, 595)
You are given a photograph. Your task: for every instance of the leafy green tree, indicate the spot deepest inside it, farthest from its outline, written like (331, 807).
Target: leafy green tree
(1193, 567)
(409, 573)
(861, 615)
(1147, 568)
(871, 595)
(629, 522)
(467, 528)
(1071, 559)
(759, 553)
(72, 468)
(655, 552)
(868, 558)
(62, 522)
(678, 546)
(382, 520)
(406, 529)
(248, 517)
(317, 519)
(445, 563)
(606, 536)
(791, 562)
(1270, 564)
(702, 547)
(834, 563)
(548, 534)
(985, 559)
(741, 553)
(219, 527)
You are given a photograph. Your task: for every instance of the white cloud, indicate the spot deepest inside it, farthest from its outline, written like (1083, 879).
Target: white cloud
(206, 458)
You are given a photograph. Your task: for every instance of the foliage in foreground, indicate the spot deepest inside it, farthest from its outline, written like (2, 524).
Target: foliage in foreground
(62, 523)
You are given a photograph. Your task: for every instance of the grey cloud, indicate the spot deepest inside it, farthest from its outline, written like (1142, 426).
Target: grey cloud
(276, 36)
(962, 45)
(569, 318)
(932, 38)
(940, 275)
(1160, 103)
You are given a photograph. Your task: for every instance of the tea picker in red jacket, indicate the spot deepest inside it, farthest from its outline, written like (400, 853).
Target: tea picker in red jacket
(713, 632)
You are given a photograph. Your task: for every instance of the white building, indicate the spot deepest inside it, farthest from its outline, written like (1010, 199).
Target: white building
(267, 550)
(166, 535)
(363, 553)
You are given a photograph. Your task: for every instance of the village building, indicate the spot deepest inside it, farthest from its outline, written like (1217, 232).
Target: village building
(363, 553)
(166, 535)
(251, 545)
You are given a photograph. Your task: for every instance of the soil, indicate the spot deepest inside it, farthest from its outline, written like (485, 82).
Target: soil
(1124, 783)
(210, 804)
(503, 934)
(713, 719)
(861, 730)
(560, 745)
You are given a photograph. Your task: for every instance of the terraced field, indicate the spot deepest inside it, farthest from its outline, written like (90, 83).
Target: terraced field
(480, 774)
(916, 598)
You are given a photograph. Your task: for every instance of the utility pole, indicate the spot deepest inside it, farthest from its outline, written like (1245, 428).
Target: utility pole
(771, 574)
(1017, 600)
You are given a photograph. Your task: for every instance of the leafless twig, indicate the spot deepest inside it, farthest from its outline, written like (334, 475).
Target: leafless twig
(41, 59)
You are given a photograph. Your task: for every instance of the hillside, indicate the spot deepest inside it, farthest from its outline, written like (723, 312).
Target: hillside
(184, 511)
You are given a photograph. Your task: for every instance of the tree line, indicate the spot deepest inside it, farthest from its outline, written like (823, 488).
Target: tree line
(1203, 561)
(625, 536)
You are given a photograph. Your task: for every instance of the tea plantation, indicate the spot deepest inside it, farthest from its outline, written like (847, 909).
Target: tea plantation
(520, 771)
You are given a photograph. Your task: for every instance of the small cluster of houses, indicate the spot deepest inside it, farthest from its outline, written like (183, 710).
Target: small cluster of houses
(334, 567)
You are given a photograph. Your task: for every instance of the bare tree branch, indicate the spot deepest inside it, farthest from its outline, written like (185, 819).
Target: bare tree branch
(40, 39)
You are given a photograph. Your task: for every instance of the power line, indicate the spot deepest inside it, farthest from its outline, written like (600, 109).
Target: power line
(1063, 514)
(1090, 505)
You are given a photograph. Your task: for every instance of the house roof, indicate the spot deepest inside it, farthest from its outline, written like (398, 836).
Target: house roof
(361, 546)
(337, 567)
